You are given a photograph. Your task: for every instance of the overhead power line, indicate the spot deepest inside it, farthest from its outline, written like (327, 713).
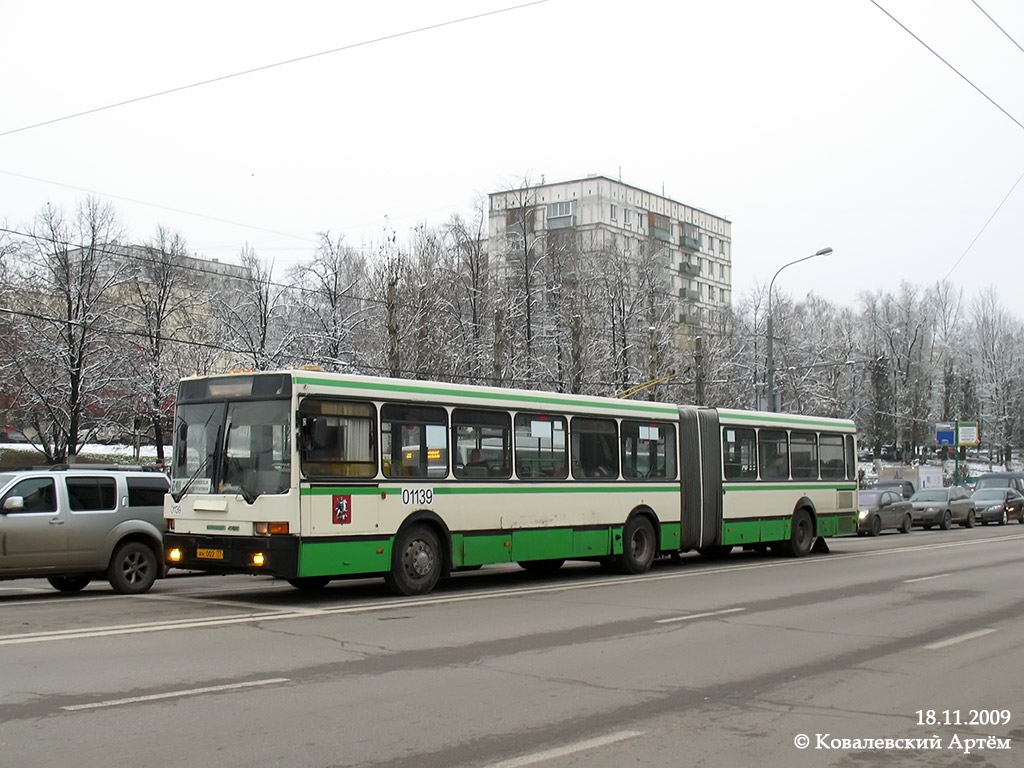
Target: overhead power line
(265, 67)
(161, 207)
(1008, 35)
(964, 77)
(989, 99)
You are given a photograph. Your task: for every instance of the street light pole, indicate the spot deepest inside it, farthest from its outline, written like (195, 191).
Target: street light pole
(771, 330)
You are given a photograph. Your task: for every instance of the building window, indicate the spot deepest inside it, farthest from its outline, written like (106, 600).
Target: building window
(615, 212)
(561, 214)
(564, 208)
(627, 217)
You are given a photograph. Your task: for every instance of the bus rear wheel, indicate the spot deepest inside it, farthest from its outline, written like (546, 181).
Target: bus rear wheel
(416, 562)
(801, 537)
(638, 546)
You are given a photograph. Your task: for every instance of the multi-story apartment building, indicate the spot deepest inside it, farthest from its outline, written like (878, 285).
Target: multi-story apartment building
(693, 246)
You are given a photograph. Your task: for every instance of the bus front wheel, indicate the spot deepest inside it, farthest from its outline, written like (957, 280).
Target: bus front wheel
(416, 561)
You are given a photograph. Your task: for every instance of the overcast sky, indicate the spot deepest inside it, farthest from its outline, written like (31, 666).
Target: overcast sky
(806, 123)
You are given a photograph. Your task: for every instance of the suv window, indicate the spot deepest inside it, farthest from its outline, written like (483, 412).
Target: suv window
(146, 491)
(86, 494)
(38, 494)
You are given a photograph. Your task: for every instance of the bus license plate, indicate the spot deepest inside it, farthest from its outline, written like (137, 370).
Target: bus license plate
(210, 554)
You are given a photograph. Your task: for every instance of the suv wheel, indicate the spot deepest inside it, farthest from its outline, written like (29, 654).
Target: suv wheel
(133, 568)
(69, 583)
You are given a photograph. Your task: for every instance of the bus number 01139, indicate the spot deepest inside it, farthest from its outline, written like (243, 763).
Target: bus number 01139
(417, 495)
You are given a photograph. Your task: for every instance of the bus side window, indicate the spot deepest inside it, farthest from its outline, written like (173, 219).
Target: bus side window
(648, 450)
(773, 454)
(336, 438)
(415, 439)
(540, 444)
(594, 448)
(739, 453)
(482, 443)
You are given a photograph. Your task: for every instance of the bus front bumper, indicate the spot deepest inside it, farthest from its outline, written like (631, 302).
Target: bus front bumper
(271, 555)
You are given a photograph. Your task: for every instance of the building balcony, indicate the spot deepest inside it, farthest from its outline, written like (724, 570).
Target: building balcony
(659, 234)
(561, 222)
(690, 243)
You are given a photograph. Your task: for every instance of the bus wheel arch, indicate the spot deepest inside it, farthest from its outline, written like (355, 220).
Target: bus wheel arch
(420, 554)
(640, 541)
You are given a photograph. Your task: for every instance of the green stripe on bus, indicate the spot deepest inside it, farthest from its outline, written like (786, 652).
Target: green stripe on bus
(453, 490)
(783, 486)
(778, 529)
(666, 411)
(369, 556)
(360, 490)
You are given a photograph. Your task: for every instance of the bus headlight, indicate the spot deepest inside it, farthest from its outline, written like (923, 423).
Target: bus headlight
(258, 559)
(174, 555)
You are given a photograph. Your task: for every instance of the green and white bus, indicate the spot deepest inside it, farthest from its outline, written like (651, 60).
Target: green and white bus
(311, 476)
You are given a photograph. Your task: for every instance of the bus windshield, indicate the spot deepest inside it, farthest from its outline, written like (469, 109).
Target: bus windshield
(235, 447)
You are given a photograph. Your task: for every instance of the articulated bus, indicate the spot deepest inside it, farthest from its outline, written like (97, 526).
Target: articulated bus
(311, 476)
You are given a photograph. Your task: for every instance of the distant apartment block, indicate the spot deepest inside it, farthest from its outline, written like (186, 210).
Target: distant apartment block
(692, 245)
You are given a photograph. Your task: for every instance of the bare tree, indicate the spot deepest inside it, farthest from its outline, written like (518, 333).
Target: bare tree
(254, 314)
(331, 305)
(69, 356)
(166, 302)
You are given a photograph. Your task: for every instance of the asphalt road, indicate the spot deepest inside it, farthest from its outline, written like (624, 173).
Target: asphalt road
(701, 663)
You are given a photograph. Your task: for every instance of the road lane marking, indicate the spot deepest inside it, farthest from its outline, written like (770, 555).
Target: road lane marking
(959, 639)
(926, 578)
(699, 615)
(569, 749)
(435, 599)
(130, 629)
(175, 694)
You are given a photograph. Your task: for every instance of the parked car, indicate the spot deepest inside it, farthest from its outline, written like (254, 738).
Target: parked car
(1013, 480)
(880, 509)
(904, 488)
(943, 507)
(71, 526)
(998, 505)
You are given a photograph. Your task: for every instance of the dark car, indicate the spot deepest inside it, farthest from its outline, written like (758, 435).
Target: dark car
(998, 505)
(883, 509)
(904, 488)
(1013, 480)
(943, 507)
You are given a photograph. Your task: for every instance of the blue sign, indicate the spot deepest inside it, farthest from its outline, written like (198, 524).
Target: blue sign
(945, 433)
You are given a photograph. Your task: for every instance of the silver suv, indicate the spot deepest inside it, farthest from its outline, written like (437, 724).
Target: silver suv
(73, 525)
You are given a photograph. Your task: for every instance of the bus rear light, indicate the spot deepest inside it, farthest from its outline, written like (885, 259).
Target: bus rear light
(258, 559)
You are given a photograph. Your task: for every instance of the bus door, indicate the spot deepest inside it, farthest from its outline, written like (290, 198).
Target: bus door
(338, 460)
